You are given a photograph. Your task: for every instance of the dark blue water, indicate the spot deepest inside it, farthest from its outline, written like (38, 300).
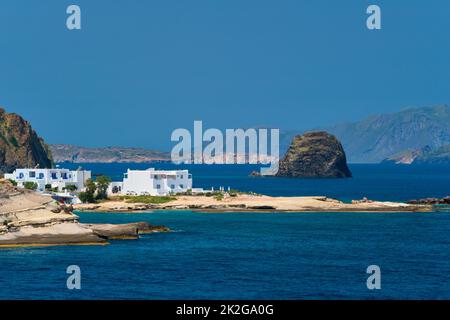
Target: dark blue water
(245, 256)
(378, 182)
(254, 255)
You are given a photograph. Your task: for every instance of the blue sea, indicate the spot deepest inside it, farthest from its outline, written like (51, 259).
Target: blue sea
(257, 255)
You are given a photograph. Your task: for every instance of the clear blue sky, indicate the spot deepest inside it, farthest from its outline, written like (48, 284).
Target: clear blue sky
(139, 69)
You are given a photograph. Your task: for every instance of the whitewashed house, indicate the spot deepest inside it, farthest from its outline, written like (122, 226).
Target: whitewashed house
(56, 178)
(152, 182)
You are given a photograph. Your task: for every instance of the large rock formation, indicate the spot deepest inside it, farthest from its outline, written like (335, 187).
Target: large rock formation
(20, 146)
(314, 155)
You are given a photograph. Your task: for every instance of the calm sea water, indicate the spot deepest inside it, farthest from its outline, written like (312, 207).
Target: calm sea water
(379, 182)
(257, 255)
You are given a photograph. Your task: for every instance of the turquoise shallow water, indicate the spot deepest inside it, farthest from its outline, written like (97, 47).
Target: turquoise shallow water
(258, 255)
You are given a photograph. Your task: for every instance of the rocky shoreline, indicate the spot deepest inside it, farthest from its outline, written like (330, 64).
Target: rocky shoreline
(31, 219)
(431, 201)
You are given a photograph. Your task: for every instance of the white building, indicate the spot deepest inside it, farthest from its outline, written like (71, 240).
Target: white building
(152, 182)
(55, 178)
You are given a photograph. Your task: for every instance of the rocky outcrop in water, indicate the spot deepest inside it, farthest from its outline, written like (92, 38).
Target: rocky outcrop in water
(20, 146)
(314, 155)
(445, 200)
(124, 231)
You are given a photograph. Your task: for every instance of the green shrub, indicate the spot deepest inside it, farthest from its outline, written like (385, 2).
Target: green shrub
(30, 185)
(13, 182)
(48, 187)
(86, 197)
(70, 187)
(218, 196)
(147, 199)
(102, 183)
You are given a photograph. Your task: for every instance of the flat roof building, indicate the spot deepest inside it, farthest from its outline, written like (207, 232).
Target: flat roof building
(53, 178)
(152, 182)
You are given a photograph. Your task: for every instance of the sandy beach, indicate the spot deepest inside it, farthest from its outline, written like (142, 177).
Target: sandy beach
(255, 203)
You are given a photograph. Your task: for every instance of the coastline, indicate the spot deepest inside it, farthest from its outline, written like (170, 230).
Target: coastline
(30, 219)
(254, 203)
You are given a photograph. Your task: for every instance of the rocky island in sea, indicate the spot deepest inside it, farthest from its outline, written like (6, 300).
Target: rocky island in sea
(314, 155)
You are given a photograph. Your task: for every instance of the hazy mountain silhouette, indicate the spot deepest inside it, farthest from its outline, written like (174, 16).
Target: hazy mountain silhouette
(378, 137)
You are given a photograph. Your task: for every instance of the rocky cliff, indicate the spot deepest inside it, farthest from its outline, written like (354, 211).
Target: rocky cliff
(20, 146)
(314, 155)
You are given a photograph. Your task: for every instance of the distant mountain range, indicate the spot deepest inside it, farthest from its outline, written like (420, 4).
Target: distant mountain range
(76, 154)
(379, 137)
(70, 153)
(411, 135)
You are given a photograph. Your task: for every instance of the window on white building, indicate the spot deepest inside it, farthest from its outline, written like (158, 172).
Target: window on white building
(172, 186)
(181, 186)
(158, 186)
(32, 174)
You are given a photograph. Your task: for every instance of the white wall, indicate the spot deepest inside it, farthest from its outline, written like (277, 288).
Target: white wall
(148, 181)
